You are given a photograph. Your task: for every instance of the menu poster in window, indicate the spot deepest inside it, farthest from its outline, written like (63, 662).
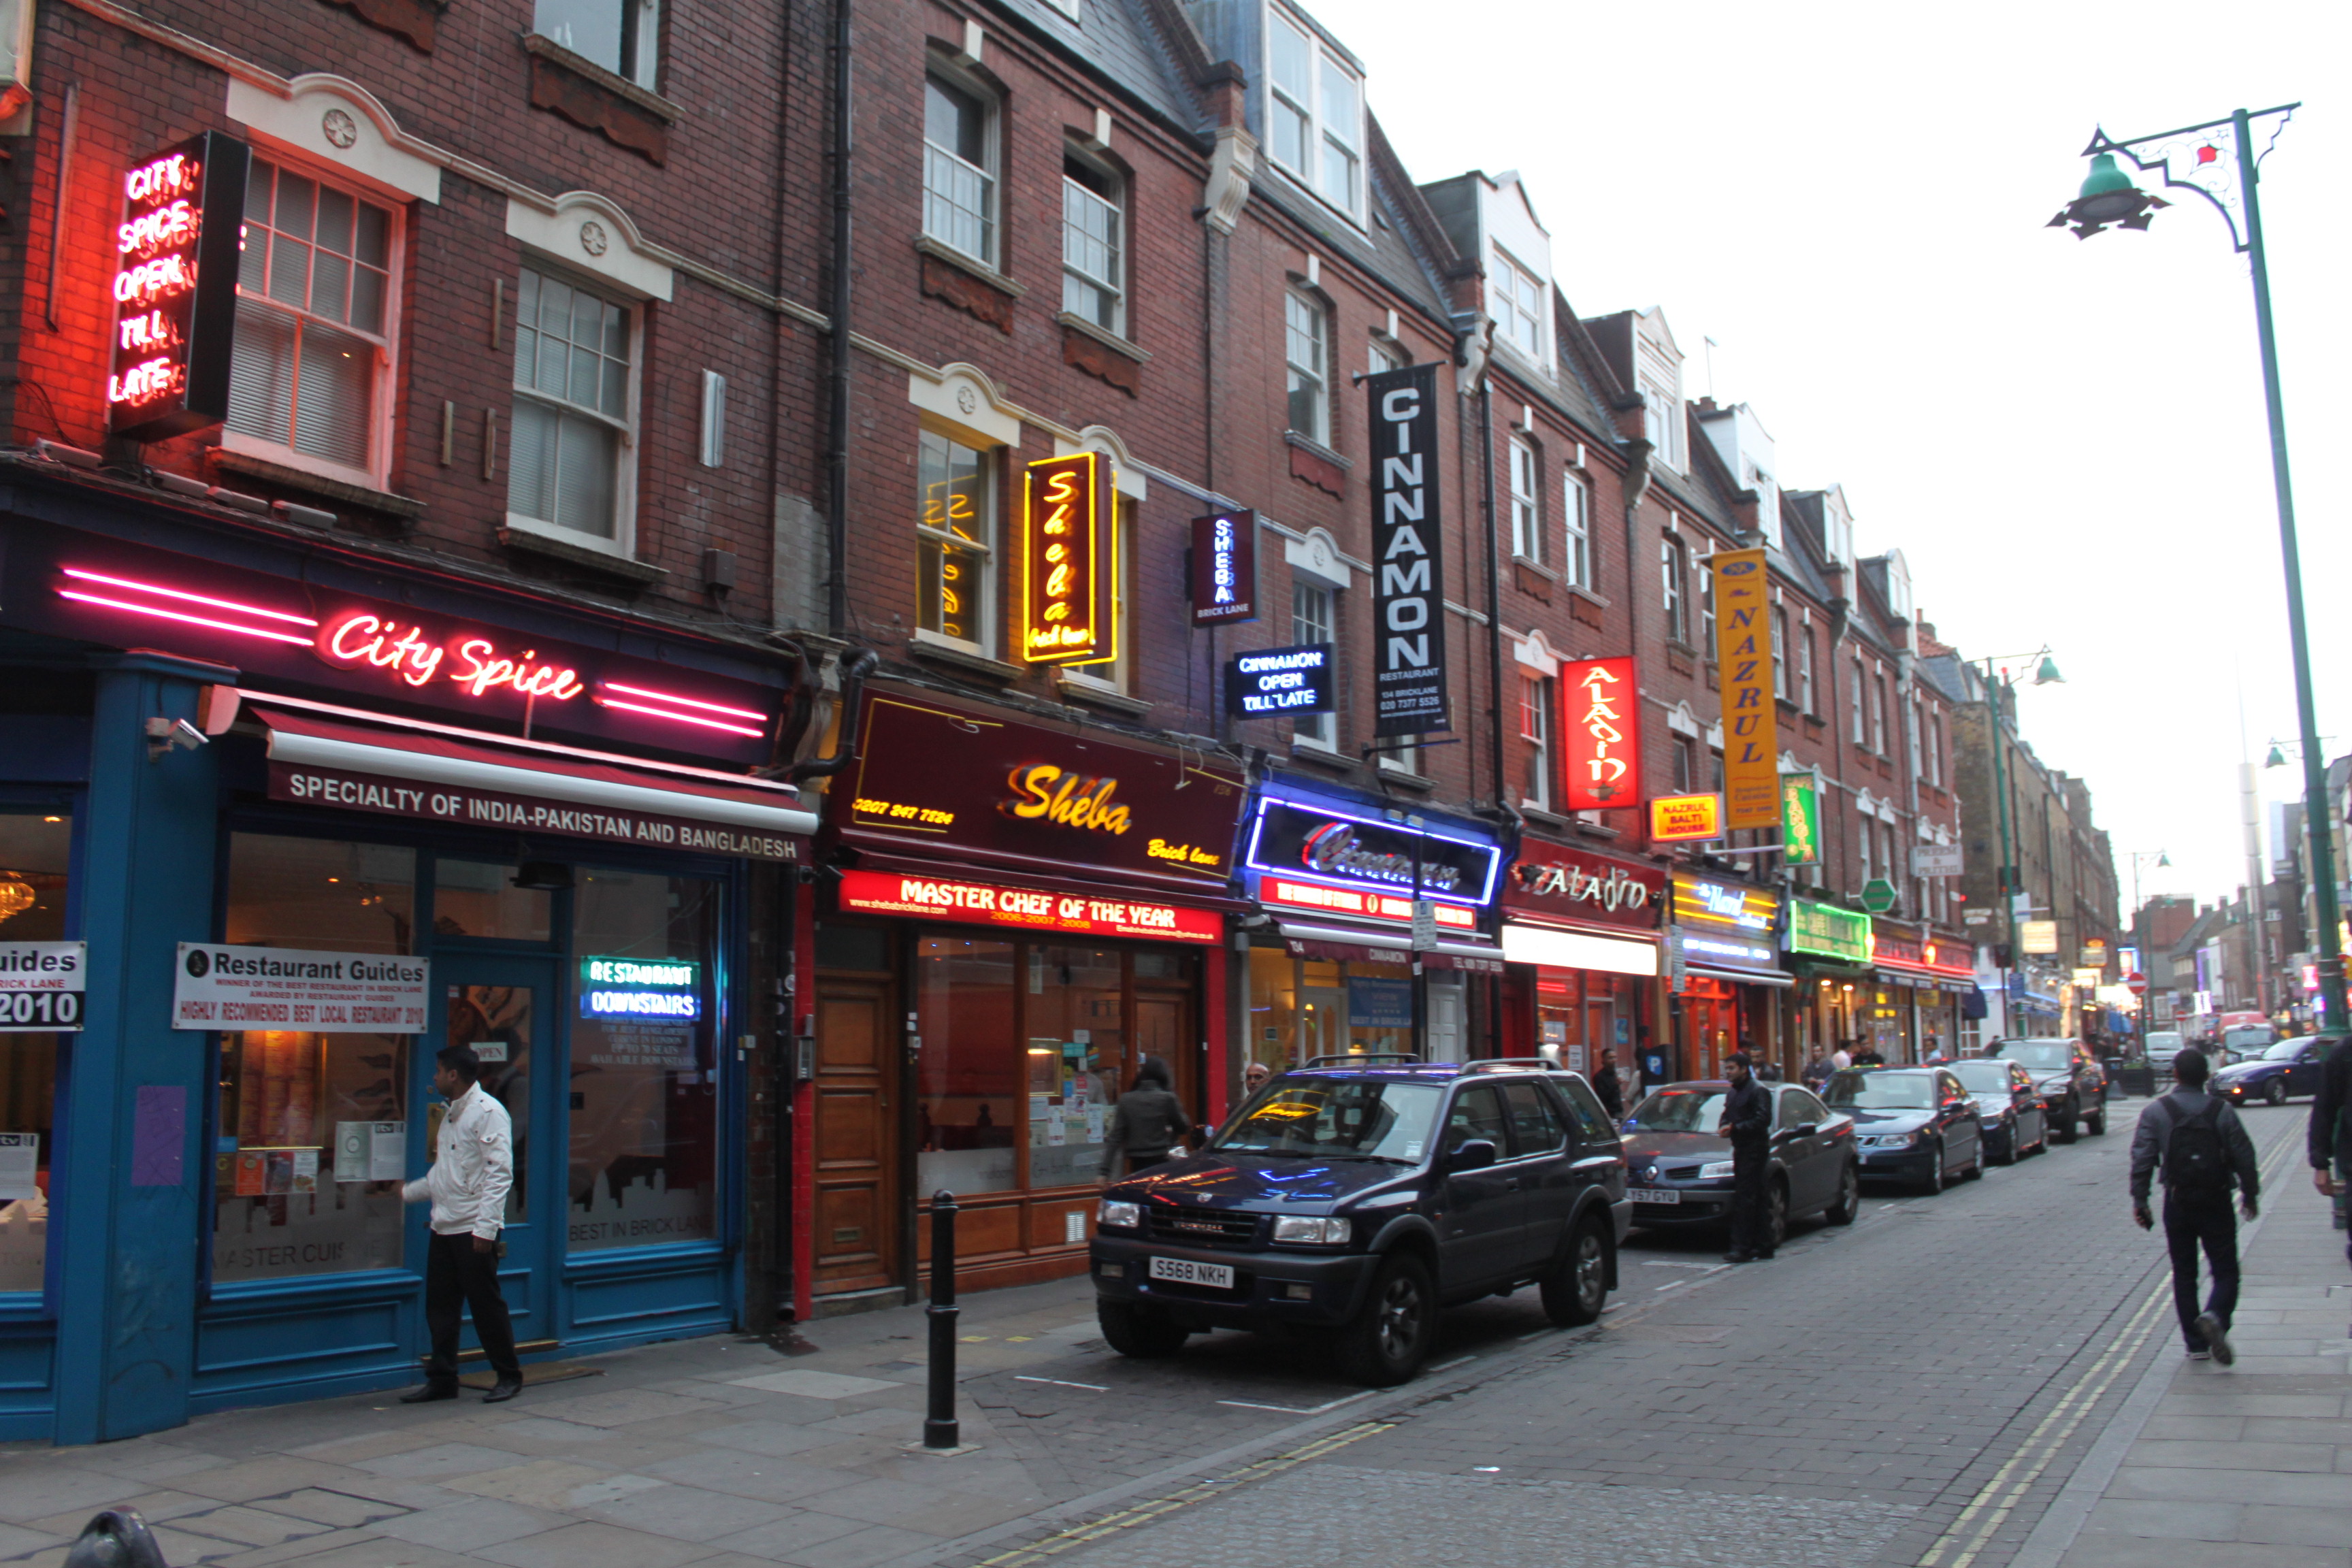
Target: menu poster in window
(388, 1151)
(41, 985)
(217, 986)
(666, 1046)
(351, 1151)
(20, 1166)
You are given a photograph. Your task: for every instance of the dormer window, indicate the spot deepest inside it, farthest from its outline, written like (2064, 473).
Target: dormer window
(1518, 306)
(1315, 114)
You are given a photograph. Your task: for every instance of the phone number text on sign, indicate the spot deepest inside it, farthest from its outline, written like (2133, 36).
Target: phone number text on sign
(41, 985)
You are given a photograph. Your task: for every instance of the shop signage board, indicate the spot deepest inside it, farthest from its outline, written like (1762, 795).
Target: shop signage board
(1224, 568)
(42, 986)
(935, 777)
(658, 988)
(1825, 930)
(2038, 936)
(1600, 725)
(1751, 724)
(1584, 888)
(1704, 902)
(1266, 683)
(175, 267)
(1936, 860)
(1685, 818)
(1306, 898)
(1408, 685)
(1801, 819)
(1896, 950)
(1377, 1004)
(1024, 908)
(360, 649)
(1070, 562)
(1358, 850)
(219, 986)
(1878, 895)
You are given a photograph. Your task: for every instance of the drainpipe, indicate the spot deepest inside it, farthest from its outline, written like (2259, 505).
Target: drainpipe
(1494, 579)
(837, 454)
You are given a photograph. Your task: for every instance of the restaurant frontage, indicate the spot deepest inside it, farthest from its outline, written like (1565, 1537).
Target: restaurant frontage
(1333, 966)
(1018, 910)
(1722, 960)
(1917, 991)
(290, 818)
(1580, 936)
(1829, 954)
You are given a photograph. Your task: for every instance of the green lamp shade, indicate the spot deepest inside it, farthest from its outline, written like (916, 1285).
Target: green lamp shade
(2106, 178)
(2048, 674)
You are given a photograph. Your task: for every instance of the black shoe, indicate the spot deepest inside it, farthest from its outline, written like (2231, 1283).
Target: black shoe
(505, 1388)
(429, 1393)
(1739, 1258)
(2217, 1340)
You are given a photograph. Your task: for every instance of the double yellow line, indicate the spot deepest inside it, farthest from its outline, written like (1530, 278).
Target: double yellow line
(1991, 1507)
(1160, 1508)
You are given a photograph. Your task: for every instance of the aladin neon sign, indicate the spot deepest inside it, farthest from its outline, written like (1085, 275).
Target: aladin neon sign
(1603, 733)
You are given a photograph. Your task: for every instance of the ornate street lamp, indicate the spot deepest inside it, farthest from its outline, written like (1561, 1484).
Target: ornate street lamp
(2219, 161)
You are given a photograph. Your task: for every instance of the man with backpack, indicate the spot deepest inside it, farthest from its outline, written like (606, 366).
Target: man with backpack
(2195, 1141)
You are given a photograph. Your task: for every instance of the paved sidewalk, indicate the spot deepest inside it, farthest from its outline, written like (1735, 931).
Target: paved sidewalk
(2249, 1465)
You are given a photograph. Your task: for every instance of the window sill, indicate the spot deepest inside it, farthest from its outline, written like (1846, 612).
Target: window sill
(1404, 777)
(1307, 443)
(517, 534)
(939, 250)
(934, 648)
(1094, 693)
(1104, 336)
(1530, 563)
(287, 476)
(597, 99)
(1322, 756)
(1545, 816)
(581, 66)
(1586, 594)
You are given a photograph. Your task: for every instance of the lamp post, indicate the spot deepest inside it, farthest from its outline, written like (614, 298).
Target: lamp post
(1997, 685)
(2139, 932)
(2225, 169)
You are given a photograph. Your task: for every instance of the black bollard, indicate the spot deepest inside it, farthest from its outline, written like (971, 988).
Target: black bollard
(119, 1537)
(940, 1427)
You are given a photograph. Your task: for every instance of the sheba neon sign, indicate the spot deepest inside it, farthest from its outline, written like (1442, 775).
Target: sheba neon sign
(1069, 562)
(175, 265)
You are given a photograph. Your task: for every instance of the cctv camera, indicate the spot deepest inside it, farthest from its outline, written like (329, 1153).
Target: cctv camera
(173, 735)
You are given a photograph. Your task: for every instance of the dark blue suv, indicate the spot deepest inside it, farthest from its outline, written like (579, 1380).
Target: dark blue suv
(1357, 1197)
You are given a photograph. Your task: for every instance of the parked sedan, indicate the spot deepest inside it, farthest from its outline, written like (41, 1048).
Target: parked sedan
(2289, 1067)
(1910, 1124)
(1680, 1169)
(2074, 1085)
(2009, 1107)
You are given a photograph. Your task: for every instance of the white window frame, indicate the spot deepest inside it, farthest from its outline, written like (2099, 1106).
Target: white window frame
(643, 42)
(376, 475)
(1863, 880)
(1526, 502)
(1576, 501)
(1706, 607)
(1805, 670)
(1382, 357)
(1853, 707)
(1117, 675)
(1120, 245)
(1683, 766)
(1660, 424)
(1673, 588)
(624, 542)
(990, 549)
(1319, 132)
(936, 157)
(1878, 713)
(1297, 301)
(1519, 298)
(1318, 732)
(1535, 730)
(1779, 652)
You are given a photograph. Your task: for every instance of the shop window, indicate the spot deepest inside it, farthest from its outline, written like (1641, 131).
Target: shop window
(314, 351)
(1075, 1060)
(34, 857)
(955, 531)
(479, 899)
(1301, 1008)
(573, 459)
(971, 1096)
(313, 1128)
(643, 1090)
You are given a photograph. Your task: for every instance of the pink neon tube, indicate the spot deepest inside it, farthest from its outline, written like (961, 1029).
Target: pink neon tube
(186, 597)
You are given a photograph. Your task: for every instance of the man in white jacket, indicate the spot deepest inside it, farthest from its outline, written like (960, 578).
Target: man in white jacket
(472, 1169)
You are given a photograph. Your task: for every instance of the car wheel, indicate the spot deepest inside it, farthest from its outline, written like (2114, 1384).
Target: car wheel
(2068, 1114)
(1776, 1214)
(2095, 1124)
(1389, 1338)
(1935, 1182)
(2274, 1091)
(1975, 1173)
(1849, 1199)
(2009, 1142)
(1138, 1331)
(1577, 1289)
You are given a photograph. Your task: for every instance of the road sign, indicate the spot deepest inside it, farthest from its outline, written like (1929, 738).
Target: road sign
(2139, 983)
(1424, 925)
(1878, 896)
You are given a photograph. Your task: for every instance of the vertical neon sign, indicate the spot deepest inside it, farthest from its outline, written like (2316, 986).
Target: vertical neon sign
(176, 258)
(1069, 562)
(1603, 730)
(1224, 568)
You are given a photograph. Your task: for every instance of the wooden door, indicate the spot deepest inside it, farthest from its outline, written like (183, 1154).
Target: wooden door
(1163, 1029)
(856, 1216)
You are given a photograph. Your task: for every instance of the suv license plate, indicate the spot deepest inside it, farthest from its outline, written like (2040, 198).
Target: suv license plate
(1655, 1194)
(1184, 1271)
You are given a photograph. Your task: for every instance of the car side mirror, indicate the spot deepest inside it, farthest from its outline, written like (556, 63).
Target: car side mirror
(1474, 1155)
(1805, 1129)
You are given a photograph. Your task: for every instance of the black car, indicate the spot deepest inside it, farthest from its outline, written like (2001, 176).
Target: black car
(2073, 1085)
(2290, 1067)
(1679, 1170)
(1355, 1200)
(1910, 1124)
(2009, 1107)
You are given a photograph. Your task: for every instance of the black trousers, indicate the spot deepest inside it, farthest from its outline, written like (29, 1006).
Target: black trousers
(2190, 1224)
(1749, 1163)
(456, 1276)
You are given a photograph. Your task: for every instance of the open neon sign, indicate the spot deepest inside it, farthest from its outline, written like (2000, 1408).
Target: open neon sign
(176, 289)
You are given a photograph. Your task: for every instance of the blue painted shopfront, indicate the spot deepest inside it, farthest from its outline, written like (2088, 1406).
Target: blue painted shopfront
(214, 1220)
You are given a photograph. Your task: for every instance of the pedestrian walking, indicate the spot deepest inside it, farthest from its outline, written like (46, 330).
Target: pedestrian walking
(1606, 1085)
(473, 1166)
(1748, 1122)
(1816, 1073)
(2329, 1143)
(1146, 1123)
(1841, 1059)
(2195, 1141)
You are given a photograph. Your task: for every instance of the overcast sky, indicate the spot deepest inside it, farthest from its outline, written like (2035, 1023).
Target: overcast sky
(2065, 438)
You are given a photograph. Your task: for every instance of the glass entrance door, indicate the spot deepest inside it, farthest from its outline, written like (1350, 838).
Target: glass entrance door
(507, 1009)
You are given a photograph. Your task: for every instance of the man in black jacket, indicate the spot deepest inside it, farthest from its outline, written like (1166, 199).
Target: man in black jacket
(2329, 1143)
(1748, 1122)
(1606, 1085)
(2197, 1141)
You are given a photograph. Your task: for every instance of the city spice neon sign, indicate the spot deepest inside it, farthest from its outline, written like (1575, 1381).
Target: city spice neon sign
(1603, 733)
(480, 667)
(176, 289)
